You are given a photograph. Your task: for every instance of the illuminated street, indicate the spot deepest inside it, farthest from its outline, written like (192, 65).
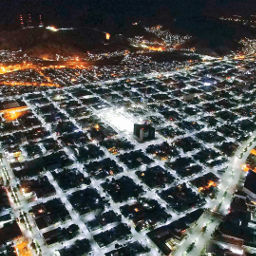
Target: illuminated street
(100, 121)
(220, 206)
(127, 128)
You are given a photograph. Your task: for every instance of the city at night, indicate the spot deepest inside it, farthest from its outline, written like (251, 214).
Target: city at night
(127, 128)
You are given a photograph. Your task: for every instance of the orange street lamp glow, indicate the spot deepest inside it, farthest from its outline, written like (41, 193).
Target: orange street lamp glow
(253, 152)
(14, 113)
(210, 184)
(22, 248)
(77, 63)
(153, 48)
(245, 167)
(107, 36)
(97, 127)
(14, 83)
(239, 57)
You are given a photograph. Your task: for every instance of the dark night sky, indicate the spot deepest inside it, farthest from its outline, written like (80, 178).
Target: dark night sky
(91, 12)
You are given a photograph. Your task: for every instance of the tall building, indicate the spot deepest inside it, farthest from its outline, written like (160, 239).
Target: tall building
(41, 24)
(143, 132)
(21, 20)
(29, 19)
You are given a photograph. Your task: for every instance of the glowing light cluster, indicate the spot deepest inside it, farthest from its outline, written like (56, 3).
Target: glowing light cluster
(246, 167)
(113, 150)
(12, 114)
(22, 247)
(153, 48)
(14, 83)
(15, 67)
(107, 36)
(97, 127)
(253, 152)
(210, 184)
(239, 57)
(118, 118)
(52, 28)
(72, 64)
(76, 64)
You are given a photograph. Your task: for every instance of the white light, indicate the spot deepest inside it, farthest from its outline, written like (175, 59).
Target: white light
(118, 118)
(232, 249)
(52, 28)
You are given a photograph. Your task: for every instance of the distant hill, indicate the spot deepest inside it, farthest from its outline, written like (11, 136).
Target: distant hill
(39, 41)
(209, 36)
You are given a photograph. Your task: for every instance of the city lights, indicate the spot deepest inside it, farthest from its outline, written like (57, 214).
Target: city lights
(128, 131)
(52, 28)
(13, 113)
(118, 118)
(210, 184)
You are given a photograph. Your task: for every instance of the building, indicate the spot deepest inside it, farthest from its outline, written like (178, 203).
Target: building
(249, 185)
(144, 132)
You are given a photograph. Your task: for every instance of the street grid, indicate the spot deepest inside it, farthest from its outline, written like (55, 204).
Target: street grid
(203, 113)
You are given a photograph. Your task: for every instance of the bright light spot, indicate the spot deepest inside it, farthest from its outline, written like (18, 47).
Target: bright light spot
(52, 28)
(14, 113)
(233, 249)
(22, 247)
(107, 36)
(208, 58)
(253, 152)
(210, 184)
(245, 167)
(119, 119)
(45, 57)
(40, 211)
(239, 57)
(97, 127)
(153, 48)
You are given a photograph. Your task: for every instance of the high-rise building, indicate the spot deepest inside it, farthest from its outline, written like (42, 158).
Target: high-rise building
(21, 20)
(143, 132)
(29, 19)
(41, 24)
